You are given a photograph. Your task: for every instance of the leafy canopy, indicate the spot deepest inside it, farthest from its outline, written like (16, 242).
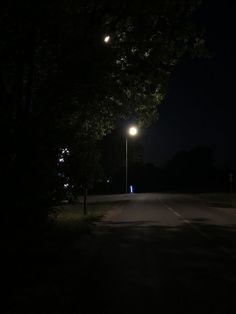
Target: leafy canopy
(77, 76)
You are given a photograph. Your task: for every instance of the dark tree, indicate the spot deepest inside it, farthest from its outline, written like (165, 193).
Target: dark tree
(191, 170)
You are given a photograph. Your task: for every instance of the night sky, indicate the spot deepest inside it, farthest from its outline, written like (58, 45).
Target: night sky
(200, 106)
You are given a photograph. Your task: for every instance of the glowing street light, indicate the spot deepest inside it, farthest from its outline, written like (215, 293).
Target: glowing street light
(132, 131)
(107, 38)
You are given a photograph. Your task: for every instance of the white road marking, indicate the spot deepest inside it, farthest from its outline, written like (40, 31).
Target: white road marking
(185, 220)
(203, 234)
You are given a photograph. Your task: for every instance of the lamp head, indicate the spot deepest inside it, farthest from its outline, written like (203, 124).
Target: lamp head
(107, 38)
(133, 130)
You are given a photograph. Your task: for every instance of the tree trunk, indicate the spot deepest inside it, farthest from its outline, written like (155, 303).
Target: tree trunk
(85, 199)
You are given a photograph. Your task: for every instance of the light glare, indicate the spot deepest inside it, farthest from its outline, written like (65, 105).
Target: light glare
(107, 39)
(133, 130)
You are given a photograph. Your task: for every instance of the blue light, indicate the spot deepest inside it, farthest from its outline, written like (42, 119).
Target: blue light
(131, 189)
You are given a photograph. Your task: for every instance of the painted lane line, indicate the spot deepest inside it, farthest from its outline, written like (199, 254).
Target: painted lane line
(171, 209)
(203, 234)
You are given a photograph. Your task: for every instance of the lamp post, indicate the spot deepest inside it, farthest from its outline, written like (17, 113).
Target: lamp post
(132, 131)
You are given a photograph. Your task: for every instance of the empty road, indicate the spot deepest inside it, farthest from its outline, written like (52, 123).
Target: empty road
(152, 253)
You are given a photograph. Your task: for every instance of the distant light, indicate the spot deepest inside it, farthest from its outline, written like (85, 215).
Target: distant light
(66, 185)
(61, 159)
(133, 130)
(131, 189)
(108, 181)
(107, 39)
(65, 151)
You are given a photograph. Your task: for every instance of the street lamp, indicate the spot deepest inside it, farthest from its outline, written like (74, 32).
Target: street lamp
(107, 39)
(132, 131)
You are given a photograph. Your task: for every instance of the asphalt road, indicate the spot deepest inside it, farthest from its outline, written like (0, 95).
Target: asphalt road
(152, 253)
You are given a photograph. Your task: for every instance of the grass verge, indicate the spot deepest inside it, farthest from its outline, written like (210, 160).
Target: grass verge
(70, 217)
(68, 222)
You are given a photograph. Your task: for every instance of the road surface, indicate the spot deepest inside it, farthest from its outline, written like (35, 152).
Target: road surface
(152, 253)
